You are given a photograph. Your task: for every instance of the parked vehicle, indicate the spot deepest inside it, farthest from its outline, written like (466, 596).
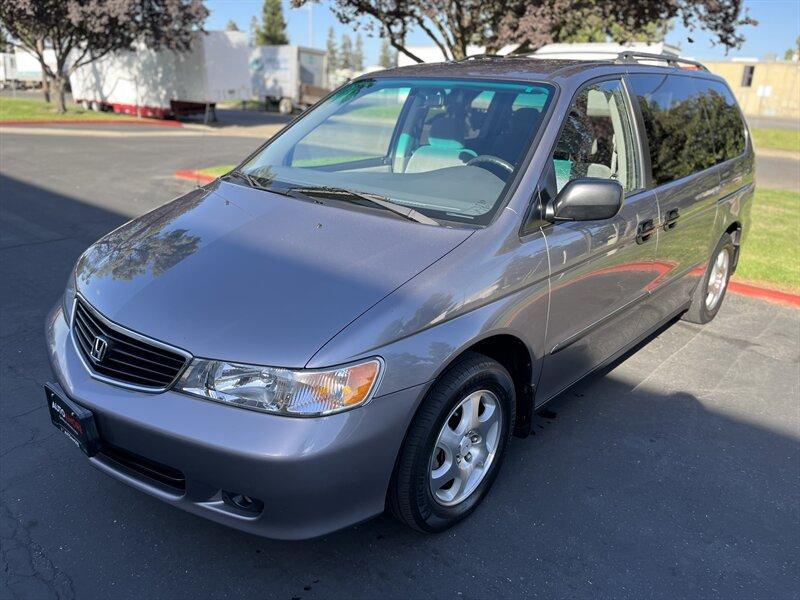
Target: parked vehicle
(364, 311)
(289, 77)
(21, 69)
(165, 84)
(8, 70)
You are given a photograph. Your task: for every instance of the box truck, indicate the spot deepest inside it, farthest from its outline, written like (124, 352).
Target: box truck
(289, 77)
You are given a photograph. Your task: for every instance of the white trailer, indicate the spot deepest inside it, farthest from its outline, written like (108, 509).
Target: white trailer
(167, 84)
(288, 76)
(8, 70)
(27, 67)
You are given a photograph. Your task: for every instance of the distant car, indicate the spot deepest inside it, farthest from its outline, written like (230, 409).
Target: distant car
(364, 311)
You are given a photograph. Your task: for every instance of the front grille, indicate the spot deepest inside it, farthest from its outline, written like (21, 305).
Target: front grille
(122, 357)
(145, 467)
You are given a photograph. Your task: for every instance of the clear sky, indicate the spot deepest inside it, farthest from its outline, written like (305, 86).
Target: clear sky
(778, 27)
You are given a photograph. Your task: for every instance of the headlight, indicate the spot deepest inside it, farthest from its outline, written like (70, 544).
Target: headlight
(301, 393)
(69, 296)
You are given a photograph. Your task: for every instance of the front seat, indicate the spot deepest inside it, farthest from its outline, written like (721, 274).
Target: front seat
(445, 148)
(510, 144)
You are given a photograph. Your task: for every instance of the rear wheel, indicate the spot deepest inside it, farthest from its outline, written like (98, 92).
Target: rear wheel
(285, 106)
(455, 445)
(711, 290)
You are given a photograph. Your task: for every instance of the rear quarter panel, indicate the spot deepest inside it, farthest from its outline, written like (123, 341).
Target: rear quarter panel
(736, 195)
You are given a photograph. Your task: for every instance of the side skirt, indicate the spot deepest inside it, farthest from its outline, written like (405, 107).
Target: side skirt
(620, 353)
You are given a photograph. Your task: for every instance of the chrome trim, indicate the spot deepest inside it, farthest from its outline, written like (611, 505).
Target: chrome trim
(137, 336)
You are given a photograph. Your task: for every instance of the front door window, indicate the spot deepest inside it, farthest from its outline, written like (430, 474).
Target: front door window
(597, 139)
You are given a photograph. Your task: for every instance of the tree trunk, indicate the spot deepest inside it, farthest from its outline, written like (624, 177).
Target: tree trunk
(46, 87)
(45, 78)
(62, 99)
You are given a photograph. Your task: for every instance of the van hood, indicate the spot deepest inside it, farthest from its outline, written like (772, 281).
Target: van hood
(244, 275)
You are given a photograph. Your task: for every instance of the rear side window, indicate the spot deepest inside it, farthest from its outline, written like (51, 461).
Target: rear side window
(724, 118)
(678, 134)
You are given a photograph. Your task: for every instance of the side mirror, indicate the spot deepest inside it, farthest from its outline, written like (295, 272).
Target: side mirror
(586, 199)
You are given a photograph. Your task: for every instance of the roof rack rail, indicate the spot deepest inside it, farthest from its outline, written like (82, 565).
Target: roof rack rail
(671, 60)
(479, 56)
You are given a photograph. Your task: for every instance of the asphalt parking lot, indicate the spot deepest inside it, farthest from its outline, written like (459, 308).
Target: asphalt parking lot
(672, 475)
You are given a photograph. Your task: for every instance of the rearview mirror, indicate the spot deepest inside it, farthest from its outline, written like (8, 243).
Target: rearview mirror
(586, 199)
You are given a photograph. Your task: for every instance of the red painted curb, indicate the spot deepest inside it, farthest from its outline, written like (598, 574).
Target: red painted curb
(194, 176)
(754, 291)
(151, 123)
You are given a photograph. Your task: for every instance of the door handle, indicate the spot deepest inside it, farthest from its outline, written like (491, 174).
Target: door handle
(645, 231)
(671, 219)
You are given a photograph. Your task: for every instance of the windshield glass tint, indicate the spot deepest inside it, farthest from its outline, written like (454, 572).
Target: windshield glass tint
(446, 148)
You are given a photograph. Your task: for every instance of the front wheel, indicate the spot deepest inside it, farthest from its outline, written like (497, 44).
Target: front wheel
(711, 290)
(455, 445)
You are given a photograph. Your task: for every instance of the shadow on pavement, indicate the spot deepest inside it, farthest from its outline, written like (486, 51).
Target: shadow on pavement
(625, 489)
(242, 118)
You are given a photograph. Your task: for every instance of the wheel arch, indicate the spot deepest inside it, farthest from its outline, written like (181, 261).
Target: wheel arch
(735, 231)
(515, 356)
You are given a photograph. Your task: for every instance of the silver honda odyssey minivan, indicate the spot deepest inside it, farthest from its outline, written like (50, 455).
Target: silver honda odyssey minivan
(363, 312)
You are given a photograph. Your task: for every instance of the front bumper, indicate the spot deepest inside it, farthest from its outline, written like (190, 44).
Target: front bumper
(313, 475)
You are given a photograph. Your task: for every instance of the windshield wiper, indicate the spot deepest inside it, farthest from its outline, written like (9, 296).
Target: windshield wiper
(250, 180)
(374, 199)
(258, 183)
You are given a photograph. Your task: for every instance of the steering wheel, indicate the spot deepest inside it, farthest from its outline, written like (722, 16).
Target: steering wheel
(492, 160)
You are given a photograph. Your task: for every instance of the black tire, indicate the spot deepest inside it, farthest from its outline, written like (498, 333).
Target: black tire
(699, 312)
(285, 106)
(410, 497)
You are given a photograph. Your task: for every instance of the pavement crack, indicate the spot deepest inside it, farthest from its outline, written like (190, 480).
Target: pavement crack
(38, 243)
(27, 570)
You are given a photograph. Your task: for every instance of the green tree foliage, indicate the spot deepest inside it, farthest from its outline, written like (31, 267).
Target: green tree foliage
(5, 45)
(593, 29)
(254, 27)
(273, 27)
(791, 52)
(346, 53)
(530, 24)
(231, 26)
(333, 52)
(358, 54)
(388, 58)
(82, 31)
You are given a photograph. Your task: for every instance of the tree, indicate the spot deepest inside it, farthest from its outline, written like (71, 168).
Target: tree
(333, 54)
(82, 31)
(792, 52)
(346, 53)
(358, 54)
(529, 24)
(5, 44)
(273, 28)
(231, 26)
(253, 30)
(387, 59)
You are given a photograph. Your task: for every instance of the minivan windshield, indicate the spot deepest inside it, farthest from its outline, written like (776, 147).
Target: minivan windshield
(446, 148)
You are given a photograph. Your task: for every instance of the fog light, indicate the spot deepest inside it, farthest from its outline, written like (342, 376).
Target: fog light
(242, 502)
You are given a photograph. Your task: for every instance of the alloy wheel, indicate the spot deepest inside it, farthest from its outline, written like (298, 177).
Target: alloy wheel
(465, 448)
